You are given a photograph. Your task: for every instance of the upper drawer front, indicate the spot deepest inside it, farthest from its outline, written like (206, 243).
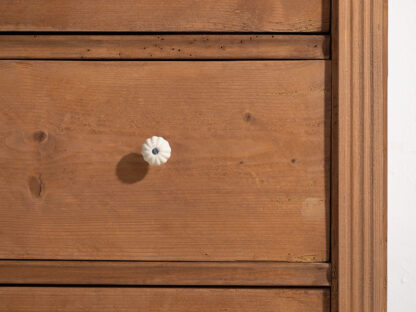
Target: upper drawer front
(248, 178)
(161, 15)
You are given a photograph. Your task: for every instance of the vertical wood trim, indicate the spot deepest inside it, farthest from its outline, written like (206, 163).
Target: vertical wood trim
(359, 194)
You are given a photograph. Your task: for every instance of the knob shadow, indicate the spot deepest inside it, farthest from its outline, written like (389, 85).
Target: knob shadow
(132, 168)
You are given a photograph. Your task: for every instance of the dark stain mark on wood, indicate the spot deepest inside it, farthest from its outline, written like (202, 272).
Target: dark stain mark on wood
(36, 186)
(40, 136)
(248, 117)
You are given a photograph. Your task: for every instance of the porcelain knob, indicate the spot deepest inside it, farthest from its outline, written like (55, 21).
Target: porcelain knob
(156, 151)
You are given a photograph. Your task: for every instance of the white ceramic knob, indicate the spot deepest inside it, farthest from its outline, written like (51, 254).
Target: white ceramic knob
(156, 151)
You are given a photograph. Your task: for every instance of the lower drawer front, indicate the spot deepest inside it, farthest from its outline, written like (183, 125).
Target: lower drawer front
(93, 299)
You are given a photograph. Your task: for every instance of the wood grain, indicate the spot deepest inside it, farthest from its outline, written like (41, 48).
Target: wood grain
(248, 178)
(250, 46)
(164, 273)
(161, 16)
(94, 299)
(360, 214)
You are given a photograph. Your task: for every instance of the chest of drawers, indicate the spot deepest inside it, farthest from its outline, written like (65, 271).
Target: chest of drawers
(273, 197)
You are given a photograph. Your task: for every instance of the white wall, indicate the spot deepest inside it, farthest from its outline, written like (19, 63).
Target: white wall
(402, 157)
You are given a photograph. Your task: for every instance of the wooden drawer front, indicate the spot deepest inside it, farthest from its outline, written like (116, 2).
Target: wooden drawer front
(91, 299)
(248, 178)
(160, 15)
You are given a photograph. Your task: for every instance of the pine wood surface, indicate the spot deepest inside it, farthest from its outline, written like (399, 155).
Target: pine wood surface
(248, 178)
(166, 16)
(167, 46)
(164, 273)
(359, 223)
(126, 299)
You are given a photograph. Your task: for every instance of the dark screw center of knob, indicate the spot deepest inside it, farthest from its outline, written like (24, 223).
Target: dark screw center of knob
(155, 151)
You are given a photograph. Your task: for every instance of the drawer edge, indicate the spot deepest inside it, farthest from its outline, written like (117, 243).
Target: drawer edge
(164, 273)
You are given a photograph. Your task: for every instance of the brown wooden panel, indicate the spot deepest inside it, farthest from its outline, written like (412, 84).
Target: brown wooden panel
(164, 47)
(248, 177)
(91, 299)
(165, 273)
(160, 15)
(360, 156)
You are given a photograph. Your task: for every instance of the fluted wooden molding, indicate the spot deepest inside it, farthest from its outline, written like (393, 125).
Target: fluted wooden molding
(359, 180)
